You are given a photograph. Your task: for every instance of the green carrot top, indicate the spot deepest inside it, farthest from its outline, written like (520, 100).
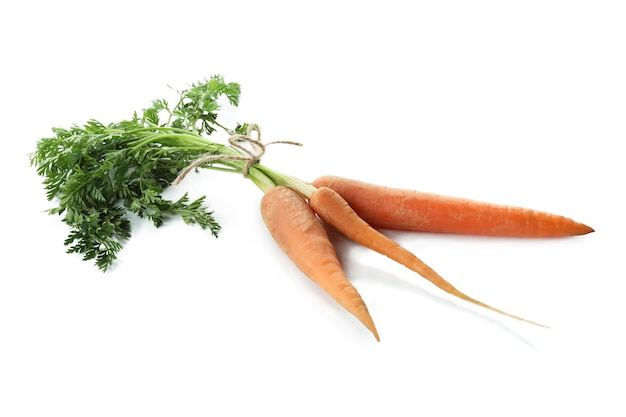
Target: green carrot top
(100, 173)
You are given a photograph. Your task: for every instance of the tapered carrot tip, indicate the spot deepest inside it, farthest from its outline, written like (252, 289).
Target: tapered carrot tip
(583, 229)
(363, 315)
(369, 323)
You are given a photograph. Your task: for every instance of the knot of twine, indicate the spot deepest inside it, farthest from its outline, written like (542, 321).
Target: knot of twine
(253, 155)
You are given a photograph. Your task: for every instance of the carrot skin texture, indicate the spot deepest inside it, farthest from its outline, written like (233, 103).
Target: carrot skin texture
(394, 208)
(335, 211)
(303, 238)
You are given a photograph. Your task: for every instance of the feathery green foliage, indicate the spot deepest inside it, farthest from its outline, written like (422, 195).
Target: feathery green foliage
(99, 173)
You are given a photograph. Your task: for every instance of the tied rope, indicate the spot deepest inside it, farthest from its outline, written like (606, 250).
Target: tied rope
(253, 155)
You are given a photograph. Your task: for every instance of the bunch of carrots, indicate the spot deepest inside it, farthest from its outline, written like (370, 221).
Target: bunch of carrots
(100, 173)
(356, 209)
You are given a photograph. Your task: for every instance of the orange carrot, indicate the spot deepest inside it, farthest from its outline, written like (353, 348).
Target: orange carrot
(302, 236)
(335, 211)
(393, 208)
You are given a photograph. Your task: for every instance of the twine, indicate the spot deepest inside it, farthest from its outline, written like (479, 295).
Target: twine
(254, 154)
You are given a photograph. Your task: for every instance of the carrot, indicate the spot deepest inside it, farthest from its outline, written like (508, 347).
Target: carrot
(393, 208)
(335, 211)
(302, 236)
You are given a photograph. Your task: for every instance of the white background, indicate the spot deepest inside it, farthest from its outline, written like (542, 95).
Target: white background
(512, 102)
